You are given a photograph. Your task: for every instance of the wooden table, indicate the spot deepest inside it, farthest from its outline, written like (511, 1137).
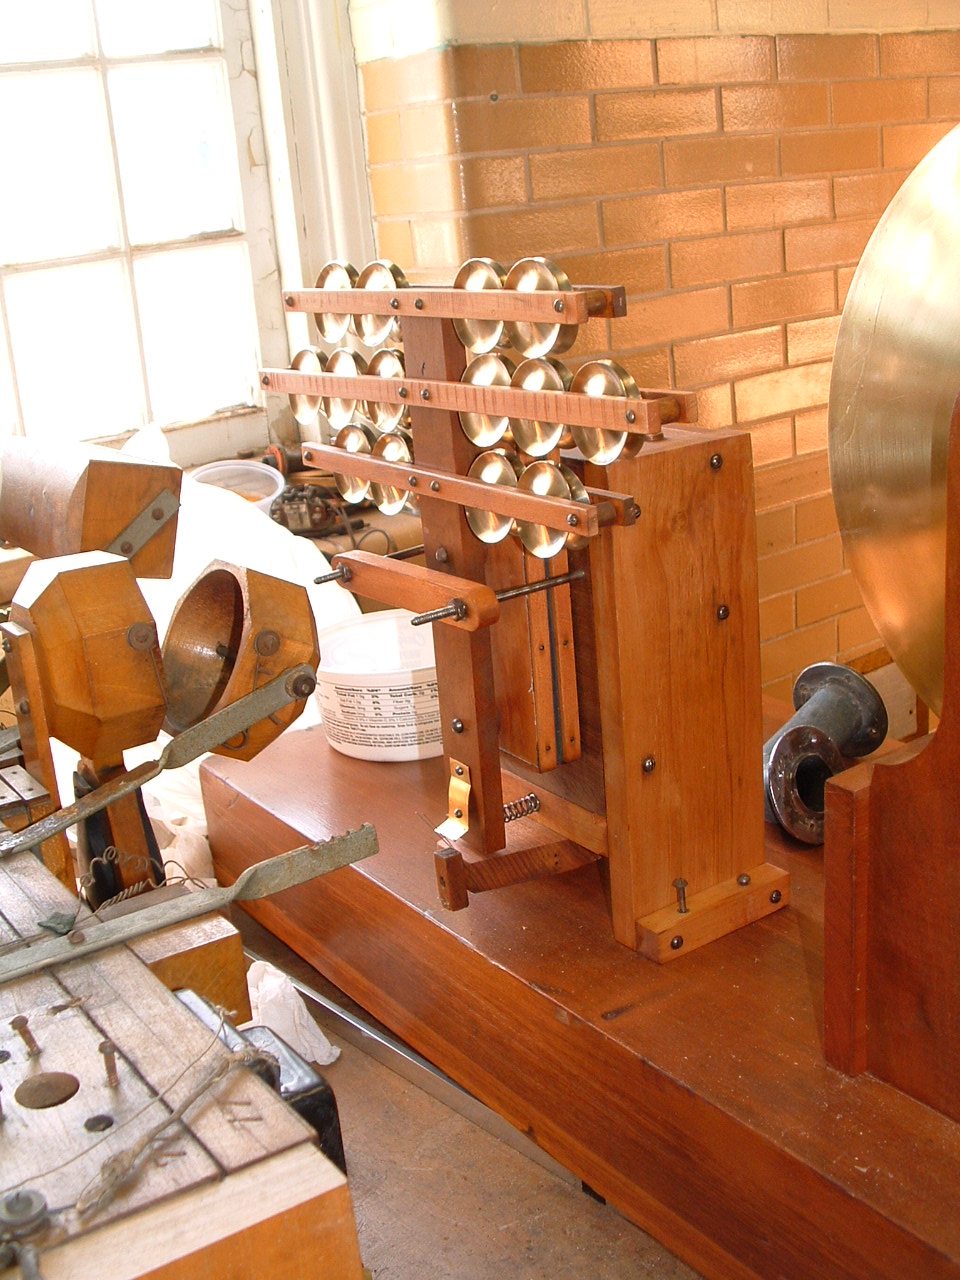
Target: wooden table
(694, 1095)
(236, 1191)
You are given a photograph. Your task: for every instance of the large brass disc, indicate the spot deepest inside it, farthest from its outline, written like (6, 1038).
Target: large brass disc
(896, 376)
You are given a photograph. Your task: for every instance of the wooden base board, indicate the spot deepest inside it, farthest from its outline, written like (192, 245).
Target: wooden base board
(694, 1096)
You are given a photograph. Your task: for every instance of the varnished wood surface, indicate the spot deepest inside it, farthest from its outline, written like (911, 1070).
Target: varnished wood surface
(695, 1096)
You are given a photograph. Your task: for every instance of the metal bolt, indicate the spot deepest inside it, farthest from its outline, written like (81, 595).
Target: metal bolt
(141, 636)
(402, 392)
(302, 686)
(459, 771)
(458, 813)
(441, 555)
(676, 942)
(631, 416)
(418, 303)
(457, 725)
(649, 764)
(716, 461)
(573, 520)
(264, 380)
(308, 457)
(19, 1025)
(412, 481)
(22, 1211)
(723, 612)
(681, 887)
(776, 896)
(109, 1051)
(743, 879)
(434, 486)
(156, 513)
(267, 643)
(395, 303)
(288, 300)
(558, 305)
(23, 707)
(425, 393)
(126, 548)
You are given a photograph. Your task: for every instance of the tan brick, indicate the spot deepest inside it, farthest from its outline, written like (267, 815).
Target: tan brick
(730, 257)
(715, 59)
(787, 298)
(695, 161)
(772, 15)
(527, 20)
(834, 244)
(779, 691)
(855, 632)
(905, 145)
(627, 18)
(479, 70)
(394, 82)
(844, 281)
(772, 441)
(920, 54)
(775, 530)
(661, 113)
(652, 321)
(596, 171)
(443, 186)
(639, 270)
(858, 195)
(759, 108)
(810, 430)
(395, 241)
(857, 14)
(384, 137)
(768, 395)
(778, 204)
(827, 57)
(729, 356)
(789, 654)
(517, 233)
(878, 101)
(792, 481)
(517, 123)
(812, 339)
(777, 615)
(579, 66)
(664, 216)
(827, 598)
(830, 151)
(816, 518)
(438, 244)
(715, 405)
(944, 97)
(649, 368)
(428, 130)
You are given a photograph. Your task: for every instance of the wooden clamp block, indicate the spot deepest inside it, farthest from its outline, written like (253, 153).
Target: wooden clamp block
(412, 586)
(665, 934)
(457, 878)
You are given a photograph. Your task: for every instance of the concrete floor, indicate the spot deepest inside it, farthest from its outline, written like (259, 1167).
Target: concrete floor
(437, 1195)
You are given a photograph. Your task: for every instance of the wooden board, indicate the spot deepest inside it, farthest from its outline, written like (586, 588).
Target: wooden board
(165, 1060)
(694, 1096)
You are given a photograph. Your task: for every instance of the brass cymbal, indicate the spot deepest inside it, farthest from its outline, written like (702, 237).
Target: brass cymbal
(305, 408)
(603, 378)
(548, 480)
(345, 364)
(895, 379)
(373, 330)
(479, 336)
(393, 446)
(534, 338)
(355, 437)
(386, 363)
(333, 326)
(488, 370)
(493, 467)
(536, 436)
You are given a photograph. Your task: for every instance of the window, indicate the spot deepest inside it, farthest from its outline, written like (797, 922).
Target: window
(127, 294)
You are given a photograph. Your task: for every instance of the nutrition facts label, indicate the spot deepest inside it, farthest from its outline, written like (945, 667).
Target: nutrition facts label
(390, 716)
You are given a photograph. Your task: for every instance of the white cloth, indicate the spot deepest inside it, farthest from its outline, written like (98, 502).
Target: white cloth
(276, 1003)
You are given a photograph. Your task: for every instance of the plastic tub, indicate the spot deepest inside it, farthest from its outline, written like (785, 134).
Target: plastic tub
(257, 483)
(377, 688)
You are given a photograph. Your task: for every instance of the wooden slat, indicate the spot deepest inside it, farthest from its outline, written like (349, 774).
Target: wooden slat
(577, 305)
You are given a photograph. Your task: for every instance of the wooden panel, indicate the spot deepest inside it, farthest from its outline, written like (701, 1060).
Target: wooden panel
(206, 956)
(693, 1096)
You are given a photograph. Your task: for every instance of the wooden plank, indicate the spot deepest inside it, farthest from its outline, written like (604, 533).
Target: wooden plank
(206, 956)
(577, 305)
(403, 585)
(693, 1096)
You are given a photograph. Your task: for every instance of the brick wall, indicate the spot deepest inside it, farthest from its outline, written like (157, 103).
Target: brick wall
(731, 183)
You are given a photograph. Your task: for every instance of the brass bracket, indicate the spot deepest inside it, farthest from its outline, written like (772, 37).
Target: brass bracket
(457, 821)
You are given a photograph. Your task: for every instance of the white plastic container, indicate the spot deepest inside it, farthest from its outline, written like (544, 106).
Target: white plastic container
(377, 688)
(254, 481)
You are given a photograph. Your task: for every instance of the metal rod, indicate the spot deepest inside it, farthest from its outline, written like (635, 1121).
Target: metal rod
(458, 610)
(342, 572)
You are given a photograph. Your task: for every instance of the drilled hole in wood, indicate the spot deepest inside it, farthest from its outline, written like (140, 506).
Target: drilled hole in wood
(48, 1089)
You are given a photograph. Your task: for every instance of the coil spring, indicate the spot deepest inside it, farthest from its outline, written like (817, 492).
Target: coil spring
(529, 803)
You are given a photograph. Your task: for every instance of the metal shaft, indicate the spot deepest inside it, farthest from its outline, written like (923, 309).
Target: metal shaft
(458, 610)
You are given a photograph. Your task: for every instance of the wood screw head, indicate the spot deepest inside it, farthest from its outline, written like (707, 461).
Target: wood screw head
(776, 896)
(676, 942)
(716, 461)
(649, 764)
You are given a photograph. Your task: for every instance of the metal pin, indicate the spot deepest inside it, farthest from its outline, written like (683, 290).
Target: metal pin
(109, 1051)
(457, 609)
(681, 887)
(19, 1025)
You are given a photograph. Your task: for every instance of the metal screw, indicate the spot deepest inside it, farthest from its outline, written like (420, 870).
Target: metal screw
(156, 513)
(649, 764)
(459, 771)
(441, 555)
(302, 686)
(676, 942)
(264, 380)
(412, 481)
(267, 643)
(76, 936)
(776, 896)
(23, 707)
(308, 457)
(573, 520)
(126, 548)
(109, 1051)
(19, 1025)
(558, 305)
(458, 813)
(418, 303)
(681, 887)
(395, 303)
(457, 725)
(723, 612)
(425, 393)
(743, 879)
(716, 461)
(402, 392)
(141, 636)
(434, 486)
(631, 416)
(288, 300)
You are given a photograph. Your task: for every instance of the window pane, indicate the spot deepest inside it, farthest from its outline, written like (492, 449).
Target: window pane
(60, 194)
(199, 330)
(75, 352)
(45, 30)
(130, 27)
(177, 149)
